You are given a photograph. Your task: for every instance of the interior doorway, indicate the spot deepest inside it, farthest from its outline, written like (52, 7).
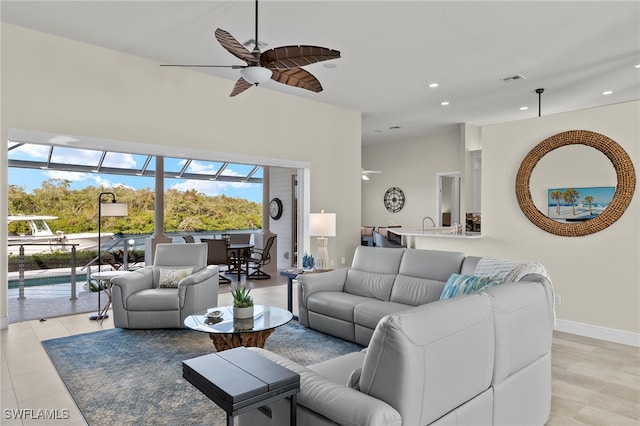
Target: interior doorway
(448, 200)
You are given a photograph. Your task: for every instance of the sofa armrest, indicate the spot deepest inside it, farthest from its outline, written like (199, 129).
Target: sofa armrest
(338, 403)
(326, 281)
(128, 284)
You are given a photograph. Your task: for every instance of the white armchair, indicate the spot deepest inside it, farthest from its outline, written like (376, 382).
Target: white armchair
(161, 296)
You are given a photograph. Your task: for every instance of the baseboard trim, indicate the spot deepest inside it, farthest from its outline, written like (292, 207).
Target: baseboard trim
(597, 332)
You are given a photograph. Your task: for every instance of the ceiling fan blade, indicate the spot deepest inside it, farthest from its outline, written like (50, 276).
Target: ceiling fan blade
(234, 47)
(234, 67)
(240, 86)
(288, 57)
(297, 77)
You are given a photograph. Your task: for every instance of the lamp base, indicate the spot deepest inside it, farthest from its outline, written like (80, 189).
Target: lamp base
(98, 317)
(322, 257)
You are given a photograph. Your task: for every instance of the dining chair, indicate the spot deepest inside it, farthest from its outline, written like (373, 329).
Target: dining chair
(217, 255)
(259, 259)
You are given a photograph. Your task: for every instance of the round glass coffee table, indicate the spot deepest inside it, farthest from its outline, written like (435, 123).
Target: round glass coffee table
(227, 332)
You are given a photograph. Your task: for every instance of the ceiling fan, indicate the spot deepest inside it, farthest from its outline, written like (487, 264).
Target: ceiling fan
(366, 173)
(282, 64)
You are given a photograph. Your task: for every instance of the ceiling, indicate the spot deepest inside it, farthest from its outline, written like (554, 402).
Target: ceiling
(391, 51)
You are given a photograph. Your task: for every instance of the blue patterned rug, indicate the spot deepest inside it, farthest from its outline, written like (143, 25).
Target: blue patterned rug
(127, 377)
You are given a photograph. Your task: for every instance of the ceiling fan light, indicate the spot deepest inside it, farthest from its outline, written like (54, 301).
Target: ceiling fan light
(256, 75)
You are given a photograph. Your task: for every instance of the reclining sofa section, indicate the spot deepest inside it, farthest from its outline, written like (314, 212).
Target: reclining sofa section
(349, 302)
(482, 359)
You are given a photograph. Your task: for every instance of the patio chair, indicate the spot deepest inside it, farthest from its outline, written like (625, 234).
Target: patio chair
(259, 259)
(178, 284)
(217, 255)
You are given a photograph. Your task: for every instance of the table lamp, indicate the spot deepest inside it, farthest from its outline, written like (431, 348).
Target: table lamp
(322, 225)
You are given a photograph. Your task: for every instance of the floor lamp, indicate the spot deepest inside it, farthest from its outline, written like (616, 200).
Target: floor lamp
(109, 209)
(322, 225)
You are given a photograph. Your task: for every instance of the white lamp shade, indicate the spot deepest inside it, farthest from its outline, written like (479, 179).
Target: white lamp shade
(113, 209)
(322, 224)
(256, 75)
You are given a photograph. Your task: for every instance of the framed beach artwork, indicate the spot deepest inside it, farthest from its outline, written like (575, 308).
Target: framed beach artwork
(578, 204)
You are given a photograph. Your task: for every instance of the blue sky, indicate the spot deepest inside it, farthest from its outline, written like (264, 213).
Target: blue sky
(600, 194)
(33, 178)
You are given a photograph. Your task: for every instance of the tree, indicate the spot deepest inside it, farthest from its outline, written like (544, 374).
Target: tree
(556, 195)
(570, 196)
(589, 200)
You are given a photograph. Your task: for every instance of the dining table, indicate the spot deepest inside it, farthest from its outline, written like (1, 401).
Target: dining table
(239, 253)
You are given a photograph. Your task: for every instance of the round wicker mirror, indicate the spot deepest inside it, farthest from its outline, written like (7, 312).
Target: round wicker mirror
(626, 183)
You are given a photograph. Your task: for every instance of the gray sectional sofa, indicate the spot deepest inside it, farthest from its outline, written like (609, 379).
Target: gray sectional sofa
(349, 302)
(482, 359)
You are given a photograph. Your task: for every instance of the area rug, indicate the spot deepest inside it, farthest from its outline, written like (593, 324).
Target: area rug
(128, 377)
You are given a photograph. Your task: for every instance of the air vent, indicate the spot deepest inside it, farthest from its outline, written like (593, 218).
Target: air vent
(514, 78)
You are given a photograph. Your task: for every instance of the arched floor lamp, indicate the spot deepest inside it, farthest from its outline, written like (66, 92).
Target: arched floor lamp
(109, 209)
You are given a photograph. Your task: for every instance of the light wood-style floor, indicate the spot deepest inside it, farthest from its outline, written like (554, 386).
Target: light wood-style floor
(594, 382)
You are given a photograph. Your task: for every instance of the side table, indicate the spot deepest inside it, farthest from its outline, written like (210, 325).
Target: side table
(106, 277)
(291, 275)
(239, 380)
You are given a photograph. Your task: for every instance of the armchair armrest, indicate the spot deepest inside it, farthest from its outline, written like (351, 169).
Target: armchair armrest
(337, 402)
(326, 281)
(200, 276)
(133, 282)
(208, 275)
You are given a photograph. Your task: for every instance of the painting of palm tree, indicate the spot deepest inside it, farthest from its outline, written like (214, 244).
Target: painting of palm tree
(589, 200)
(565, 204)
(570, 196)
(555, 196)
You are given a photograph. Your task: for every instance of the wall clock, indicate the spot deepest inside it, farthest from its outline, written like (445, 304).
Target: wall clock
(394, 199)
(275, 209)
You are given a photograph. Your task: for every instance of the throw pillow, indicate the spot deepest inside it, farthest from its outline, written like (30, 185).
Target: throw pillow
(170, 278)
(459, 284)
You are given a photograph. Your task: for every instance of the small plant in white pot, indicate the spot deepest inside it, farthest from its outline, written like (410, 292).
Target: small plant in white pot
(242, 302)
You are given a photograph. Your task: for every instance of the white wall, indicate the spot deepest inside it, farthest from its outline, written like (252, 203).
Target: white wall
(56, 85)
(597, 276)
(412, 167)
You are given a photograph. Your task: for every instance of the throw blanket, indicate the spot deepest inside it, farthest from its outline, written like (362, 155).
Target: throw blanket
(513, 271)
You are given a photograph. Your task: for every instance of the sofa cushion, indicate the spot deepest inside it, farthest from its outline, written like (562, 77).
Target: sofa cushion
(520, 309)
(459, 284)
(432, 264)
(155, 299)
(368, 284)
(415, 291)
(377, 260)
(369, 313)
(334, 304)
(428, 360)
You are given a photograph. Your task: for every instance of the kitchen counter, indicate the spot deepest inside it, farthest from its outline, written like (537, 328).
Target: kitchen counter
(408, 236)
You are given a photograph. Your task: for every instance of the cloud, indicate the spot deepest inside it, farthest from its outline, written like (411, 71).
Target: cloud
(211, 187)
(88, 178)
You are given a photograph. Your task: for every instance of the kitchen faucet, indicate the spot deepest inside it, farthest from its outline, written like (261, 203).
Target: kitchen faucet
(425, 218)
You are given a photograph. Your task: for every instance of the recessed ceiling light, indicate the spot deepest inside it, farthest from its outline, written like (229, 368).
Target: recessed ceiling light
(524, 108)
(607, 92)
(330, 65)
(445, 103)
(377, 131)
(638, 66)
(433, 85)
(394, 127)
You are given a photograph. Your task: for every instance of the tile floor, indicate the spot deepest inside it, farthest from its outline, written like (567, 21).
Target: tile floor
(594, 382)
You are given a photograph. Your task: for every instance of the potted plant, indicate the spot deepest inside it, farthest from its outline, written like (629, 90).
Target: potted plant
(242, 302)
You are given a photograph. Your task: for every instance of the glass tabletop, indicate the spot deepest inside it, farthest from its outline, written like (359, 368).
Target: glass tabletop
(264, 318)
